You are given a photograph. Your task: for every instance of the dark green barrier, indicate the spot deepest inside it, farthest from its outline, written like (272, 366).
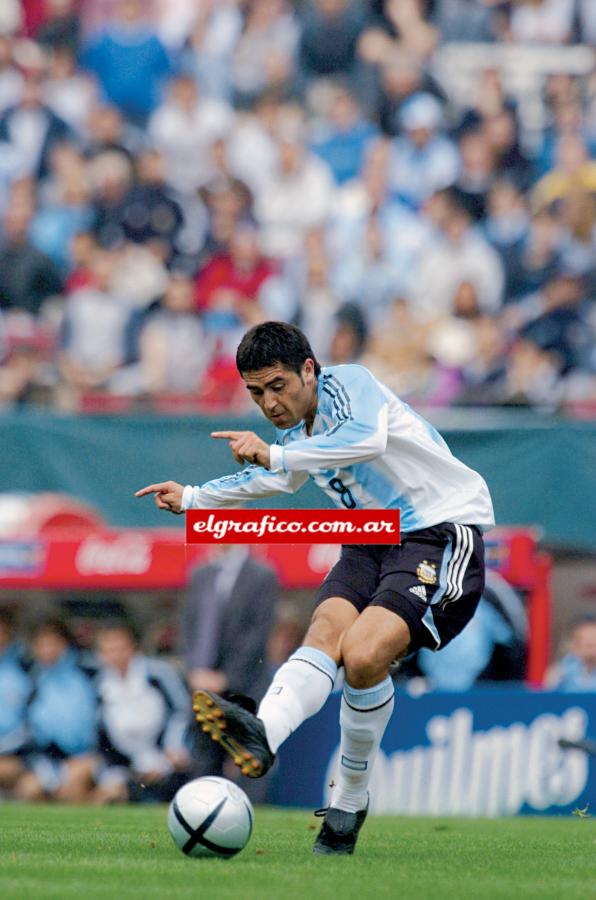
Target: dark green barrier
(540, 471)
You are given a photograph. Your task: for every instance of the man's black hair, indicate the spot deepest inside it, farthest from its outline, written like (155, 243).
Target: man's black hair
(274, 342)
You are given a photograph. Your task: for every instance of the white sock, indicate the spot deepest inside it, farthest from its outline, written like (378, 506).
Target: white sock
(298, 690)
(363, 718)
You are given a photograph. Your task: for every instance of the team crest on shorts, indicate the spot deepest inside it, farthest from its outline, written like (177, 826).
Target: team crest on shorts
(427, 572)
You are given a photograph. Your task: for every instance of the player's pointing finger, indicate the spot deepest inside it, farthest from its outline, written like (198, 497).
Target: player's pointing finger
(153, 489)
(226, 435)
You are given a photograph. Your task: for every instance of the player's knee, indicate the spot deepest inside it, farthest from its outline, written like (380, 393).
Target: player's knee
(361, 668)
(325, 634)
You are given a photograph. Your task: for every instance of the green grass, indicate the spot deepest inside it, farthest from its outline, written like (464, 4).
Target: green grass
(57, 853)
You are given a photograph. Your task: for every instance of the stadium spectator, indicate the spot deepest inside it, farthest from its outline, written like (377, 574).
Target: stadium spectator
(506, 225)
(231, 284)
(65, 207)
(329, 38)
(251, 148)
(397, 350)
(264, 54)
(542, 21)
(60, 718)
(465, 20)
(228, 201)
(348, 340)
(477, 174)
(511, 162)
(170, 341)
(344, 136)
(130, 61)
(586, 12)
(576, 670)
(110, 177)
(374, 239)
(574, 174)
(183, 129)
(423, 160)
(61, 26)
(297, 199)
(532, 376)
(93, 330)
(68, 92)
(27, 276)
(483, 376)
(557, 319)
(31, 128)
(400, 77)
(143, 717)
(15, 689)
(207, 54)
(536, 258)
(25, 373)
(150, 215)
(311, 279)
(405, 25)
(226, 620)
(108, 130)
(459, 253)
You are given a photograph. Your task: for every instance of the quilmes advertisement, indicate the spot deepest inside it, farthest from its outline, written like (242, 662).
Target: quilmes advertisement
(485, 753)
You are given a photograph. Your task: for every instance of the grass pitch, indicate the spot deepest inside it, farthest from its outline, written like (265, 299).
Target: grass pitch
(57, 853)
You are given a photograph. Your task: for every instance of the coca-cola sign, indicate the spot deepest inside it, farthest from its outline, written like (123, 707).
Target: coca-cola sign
(127, 554)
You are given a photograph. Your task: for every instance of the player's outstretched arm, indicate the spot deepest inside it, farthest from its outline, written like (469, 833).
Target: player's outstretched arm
(168, 495)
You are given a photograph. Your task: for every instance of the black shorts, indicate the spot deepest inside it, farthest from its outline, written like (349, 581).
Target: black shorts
(433, 580)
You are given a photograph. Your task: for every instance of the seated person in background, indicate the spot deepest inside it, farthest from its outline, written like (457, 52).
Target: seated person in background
(576, 670)
(144, 715)
(15, 688)
(500, 624)
(60, 719)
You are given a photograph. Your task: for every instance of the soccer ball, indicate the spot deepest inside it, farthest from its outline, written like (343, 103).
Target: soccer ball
(210, 817)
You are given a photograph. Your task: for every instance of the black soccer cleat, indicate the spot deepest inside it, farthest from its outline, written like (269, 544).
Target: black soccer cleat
(238, 730)
(339, 831)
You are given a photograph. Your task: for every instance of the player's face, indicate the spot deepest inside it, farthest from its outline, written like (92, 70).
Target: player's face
(282, 395)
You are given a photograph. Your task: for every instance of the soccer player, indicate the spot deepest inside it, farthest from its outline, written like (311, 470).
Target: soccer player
(366, 449)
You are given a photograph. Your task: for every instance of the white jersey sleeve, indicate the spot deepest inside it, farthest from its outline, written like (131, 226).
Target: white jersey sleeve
(356, 427)
(232, 491)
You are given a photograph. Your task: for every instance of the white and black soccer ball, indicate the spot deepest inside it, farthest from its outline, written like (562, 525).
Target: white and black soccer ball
(210, 817)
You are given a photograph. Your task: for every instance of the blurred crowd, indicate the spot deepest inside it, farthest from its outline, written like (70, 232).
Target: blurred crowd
(91, 711)
(172, 172)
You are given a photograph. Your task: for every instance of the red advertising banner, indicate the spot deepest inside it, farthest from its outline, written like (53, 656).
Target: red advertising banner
(292, 526)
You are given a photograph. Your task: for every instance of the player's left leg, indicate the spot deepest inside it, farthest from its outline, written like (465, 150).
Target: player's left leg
(372, 643)
(378, 637)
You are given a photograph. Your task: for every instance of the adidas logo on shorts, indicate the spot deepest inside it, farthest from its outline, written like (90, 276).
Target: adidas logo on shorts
(419, 590)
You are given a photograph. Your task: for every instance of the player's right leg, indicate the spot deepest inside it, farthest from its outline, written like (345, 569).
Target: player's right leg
(299, 689)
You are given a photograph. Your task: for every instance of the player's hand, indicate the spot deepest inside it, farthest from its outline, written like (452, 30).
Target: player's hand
(168, 495)
(246, 447)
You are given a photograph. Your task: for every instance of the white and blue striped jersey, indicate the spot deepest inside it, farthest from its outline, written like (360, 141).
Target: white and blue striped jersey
(367, 450)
